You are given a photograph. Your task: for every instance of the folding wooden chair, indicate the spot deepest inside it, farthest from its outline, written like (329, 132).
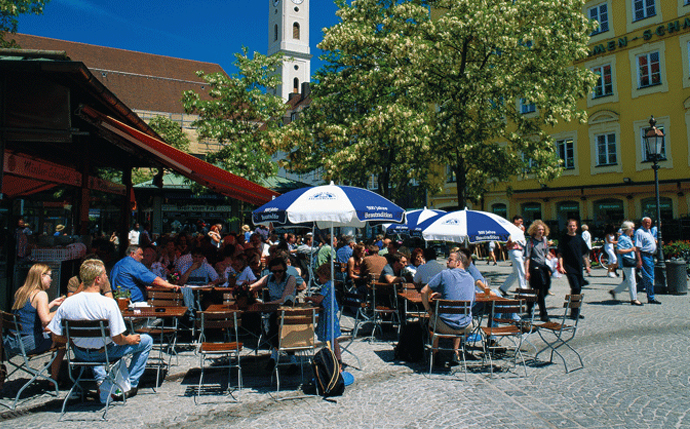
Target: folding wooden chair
(442, 306)
(27, 362)
(526, 324)
(492, 335)
(229, 346)
(90, 329)
(559, 334)
(296, 334)
(384, 306)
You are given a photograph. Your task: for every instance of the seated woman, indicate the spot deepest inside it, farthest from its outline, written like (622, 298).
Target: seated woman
(33, 313)
(329, 312)
(354, 266)
(281, 288)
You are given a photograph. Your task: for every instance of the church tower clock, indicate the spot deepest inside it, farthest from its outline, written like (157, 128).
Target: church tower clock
(288, 33)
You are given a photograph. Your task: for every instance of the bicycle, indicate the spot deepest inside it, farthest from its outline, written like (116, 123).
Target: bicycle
(599, 255)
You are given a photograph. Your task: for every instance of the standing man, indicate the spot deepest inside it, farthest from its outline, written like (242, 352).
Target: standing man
(516, 256)
(131, 274)
(588, 241)
(646, 247)
(133, 235)
(91, 305)
(571, 252)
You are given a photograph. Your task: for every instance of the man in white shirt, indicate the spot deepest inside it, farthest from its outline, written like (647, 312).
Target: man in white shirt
(91, 305)
(516, 256)
(133, 235)
(645, 243)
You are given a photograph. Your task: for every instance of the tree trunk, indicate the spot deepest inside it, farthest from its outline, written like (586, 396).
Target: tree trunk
(461, 182)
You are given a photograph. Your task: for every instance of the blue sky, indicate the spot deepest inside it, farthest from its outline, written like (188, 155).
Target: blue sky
(202, 30)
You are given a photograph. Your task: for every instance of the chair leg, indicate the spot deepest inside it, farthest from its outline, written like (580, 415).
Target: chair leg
(36, 374)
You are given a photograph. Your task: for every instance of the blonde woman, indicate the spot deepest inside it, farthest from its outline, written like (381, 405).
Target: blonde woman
(33, 313)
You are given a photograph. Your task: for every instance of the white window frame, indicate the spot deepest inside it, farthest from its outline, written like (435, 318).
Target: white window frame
(633, 24)
(640, 128)
(648, 68)
(564, 146)
(604, 122)
(607, 143)
(643, 6)
(599, 70)
(685, 54)
(450, 175)
(373, 182)
(609, 60)
(597, 11)
(634, 54)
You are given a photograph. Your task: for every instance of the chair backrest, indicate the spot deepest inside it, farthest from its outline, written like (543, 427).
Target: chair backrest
(226, 320)
(11, 327)
(573, 301)
(385, 292)
(9, 321)
(164, 298)
(507, 306)
(445, 306)
(296, 327)
(85, 329)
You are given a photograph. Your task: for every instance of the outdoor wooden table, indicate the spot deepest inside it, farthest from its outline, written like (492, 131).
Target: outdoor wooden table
(151, 312)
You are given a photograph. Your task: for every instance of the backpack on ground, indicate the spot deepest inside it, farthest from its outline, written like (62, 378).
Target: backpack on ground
(327, 377)
(410, 348)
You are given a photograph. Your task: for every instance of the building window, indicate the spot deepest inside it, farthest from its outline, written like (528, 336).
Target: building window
(666, 208)
(295, 31)
(648, 70)
(499, 209)
(600, 13)
(450, 175)
(645, 157)
(275, 32)
(373, 182)
(527, 107)
(566, 151)
(643, 9)
(606, 149)
(295, 85)
(604, 86)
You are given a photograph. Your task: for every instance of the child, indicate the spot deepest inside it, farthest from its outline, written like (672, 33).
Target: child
(323, 328)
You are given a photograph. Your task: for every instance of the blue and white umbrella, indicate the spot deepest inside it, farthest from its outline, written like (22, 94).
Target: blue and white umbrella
(413, 218)
(329, 206)
(475, 226)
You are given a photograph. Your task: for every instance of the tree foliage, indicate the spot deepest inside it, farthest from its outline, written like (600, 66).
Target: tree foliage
(171, 132)
(401, 90)
(9, 13)
(239, 112)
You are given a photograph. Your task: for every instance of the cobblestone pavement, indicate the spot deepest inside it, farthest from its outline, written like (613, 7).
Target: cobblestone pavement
(636, 375)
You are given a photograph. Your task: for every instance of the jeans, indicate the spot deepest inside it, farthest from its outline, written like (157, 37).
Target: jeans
(140, 354)
(647, 272)
(517, 258)
(575, 280)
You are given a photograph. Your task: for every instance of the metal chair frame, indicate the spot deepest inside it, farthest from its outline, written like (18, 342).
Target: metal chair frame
(74, 329)
(11, 326)
(379, 309)
(563, 332)
(511, 331)
(443, 306)
(229, 323)
(296, 333)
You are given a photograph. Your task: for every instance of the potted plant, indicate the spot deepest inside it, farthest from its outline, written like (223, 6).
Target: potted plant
(123, 297)
(677, 255)
(243, 296)
(677, 250)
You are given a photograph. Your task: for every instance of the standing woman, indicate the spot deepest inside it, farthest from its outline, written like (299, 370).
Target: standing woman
(609, 246)
(33, 313)
(628, 260)
(537, 272)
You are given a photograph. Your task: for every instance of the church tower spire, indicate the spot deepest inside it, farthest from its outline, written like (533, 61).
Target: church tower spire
(288, 33)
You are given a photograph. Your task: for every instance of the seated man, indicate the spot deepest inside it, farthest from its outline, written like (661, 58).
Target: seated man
(75, 285)
(392, 272)
(200, 273)
(91, 305)
(454, 284)
(130, 274)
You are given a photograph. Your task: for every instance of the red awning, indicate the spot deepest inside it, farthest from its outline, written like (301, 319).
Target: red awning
(189, 166)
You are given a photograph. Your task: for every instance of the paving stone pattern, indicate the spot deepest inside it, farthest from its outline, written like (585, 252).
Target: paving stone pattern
(636, 375)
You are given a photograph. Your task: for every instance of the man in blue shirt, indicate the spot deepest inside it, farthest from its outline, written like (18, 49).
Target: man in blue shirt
(646, 247)
(132, 275)
(345, 251)
(452, 284)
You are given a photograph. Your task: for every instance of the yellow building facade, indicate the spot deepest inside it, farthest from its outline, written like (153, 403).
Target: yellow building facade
(641, 53)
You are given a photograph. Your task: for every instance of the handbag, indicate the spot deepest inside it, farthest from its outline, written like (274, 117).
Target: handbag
(629, 263)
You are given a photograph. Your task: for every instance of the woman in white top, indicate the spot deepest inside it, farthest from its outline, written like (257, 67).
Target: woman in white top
(611, 242)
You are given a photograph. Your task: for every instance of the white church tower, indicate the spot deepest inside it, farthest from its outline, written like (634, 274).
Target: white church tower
(288, 33)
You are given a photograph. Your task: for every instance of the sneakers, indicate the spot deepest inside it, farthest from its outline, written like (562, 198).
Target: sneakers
(611, 274)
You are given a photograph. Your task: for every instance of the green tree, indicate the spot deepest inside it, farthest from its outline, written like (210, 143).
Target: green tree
(240, 112)
(479, 59)
(365, 118)
(10, 11)
(171, 132)
(402, 88)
